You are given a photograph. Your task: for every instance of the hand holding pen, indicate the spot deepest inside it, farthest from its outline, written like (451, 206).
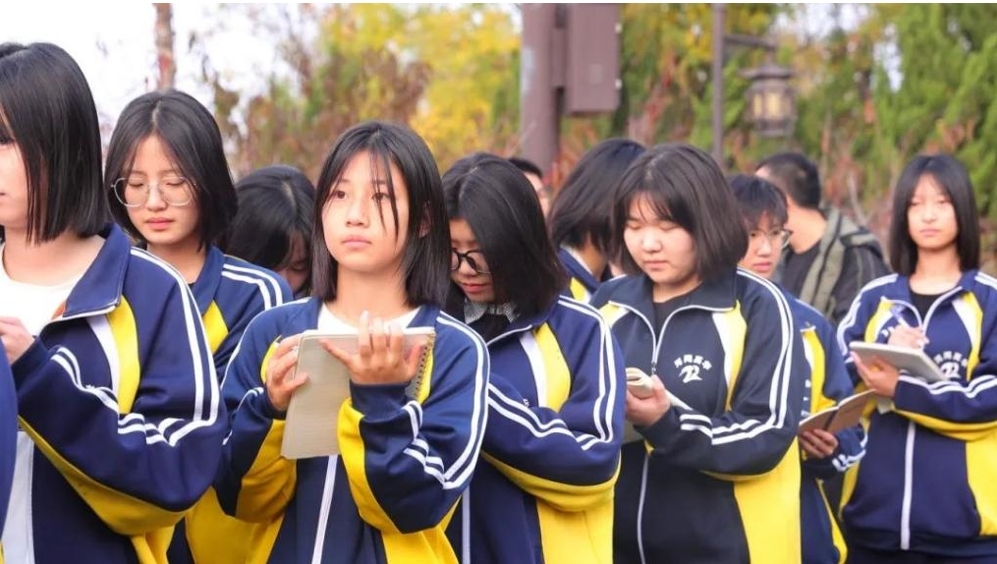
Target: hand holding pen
(903, 334)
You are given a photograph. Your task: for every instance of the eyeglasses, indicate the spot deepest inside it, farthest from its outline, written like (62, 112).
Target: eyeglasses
(134, 192)
(777, 237)
(475, 259)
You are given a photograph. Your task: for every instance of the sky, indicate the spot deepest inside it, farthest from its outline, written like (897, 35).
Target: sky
(119, 59)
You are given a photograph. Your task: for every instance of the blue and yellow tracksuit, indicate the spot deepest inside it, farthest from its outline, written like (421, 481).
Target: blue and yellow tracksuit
(581, 283)
(829, 383)
(717, 478)
(544, 492)
(8, 437)
(927, 483)
(119, 395)
(229, 292)
(404, 461)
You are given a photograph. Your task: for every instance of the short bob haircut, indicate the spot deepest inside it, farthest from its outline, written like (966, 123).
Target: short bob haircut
(756, 198)
(501, 207)
(949, 174)
(685, 186)
(582, 207)
(193, 143)
(797, 176)
(47, 110)
(426, 258)
(276, 207)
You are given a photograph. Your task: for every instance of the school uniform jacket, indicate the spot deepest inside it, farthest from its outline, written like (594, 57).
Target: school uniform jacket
(717, 478)
(404, 462)
(229, 292)
(581, 283)
(8, 437)
(119, 395)
(829, 383)
(544, 492)
(927, 481)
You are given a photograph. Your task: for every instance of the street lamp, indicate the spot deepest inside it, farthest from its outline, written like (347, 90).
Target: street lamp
(771, 101)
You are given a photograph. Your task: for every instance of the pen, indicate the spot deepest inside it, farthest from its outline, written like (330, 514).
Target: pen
(895, 310)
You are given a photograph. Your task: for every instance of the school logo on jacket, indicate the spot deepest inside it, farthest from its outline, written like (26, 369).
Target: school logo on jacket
(690, 366)
(950, 363)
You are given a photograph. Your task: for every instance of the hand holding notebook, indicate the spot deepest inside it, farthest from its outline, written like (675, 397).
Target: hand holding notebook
(313, 414)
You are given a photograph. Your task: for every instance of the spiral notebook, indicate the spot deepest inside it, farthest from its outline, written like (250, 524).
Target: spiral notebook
(313, 414)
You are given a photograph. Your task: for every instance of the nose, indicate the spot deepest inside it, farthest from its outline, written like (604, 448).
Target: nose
(649, 242)
(765, 246)
(357, 212)
(155, 199)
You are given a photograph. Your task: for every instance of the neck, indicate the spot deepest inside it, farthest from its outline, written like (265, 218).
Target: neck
(50, 263)
(382, 296)
(593, 259)
(184, 256)
(935, 271)
(808, 230)
(664, 292)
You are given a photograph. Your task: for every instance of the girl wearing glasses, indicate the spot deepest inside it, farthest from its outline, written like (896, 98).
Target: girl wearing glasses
(579, 218)
(825, 455)
(717, 472)
(171, 190)
(116, 391)
(555, 397)
(380, 249)
(924, 491)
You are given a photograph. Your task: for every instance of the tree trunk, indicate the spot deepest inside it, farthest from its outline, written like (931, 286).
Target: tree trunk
(166, 62)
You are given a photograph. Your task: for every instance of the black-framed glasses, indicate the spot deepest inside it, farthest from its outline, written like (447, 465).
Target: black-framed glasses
(776, 237)
(475, 259)
(134, 192)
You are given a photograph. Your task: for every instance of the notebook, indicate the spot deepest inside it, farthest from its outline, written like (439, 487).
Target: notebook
(908, 360)
(842, 415)
(313, 413)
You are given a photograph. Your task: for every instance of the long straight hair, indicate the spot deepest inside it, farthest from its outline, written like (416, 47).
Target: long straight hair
(500, 205)
(949, 174)
(427, 242)
(47, 110)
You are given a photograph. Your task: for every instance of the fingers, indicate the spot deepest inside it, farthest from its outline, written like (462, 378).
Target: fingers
(818, 443)
(364, 345)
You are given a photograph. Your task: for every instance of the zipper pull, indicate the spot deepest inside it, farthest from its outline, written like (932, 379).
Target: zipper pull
(654, 368)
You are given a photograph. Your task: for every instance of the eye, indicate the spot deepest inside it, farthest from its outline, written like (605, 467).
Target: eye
(175, 182)
(632, 224)
(336, 194)
(381, 196)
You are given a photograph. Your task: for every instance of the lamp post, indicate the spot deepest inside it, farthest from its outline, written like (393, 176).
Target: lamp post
(771, 101)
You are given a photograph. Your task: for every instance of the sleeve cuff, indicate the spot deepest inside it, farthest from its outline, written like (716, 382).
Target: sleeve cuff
(375, 399)
(663, 430)
(30, 362)
(265, 407)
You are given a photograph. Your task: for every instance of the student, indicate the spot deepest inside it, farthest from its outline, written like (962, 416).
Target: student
(172, 192)
(579, 218)
(273, 226)
(555, 398)
(381, 251)
(923, 491)
(8, 436)
(116, 390)
(535, 175)
(829, 257)
(825, 455)
(717, 475)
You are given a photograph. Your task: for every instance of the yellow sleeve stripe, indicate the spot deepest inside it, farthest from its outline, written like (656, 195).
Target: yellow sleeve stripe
(122, 323)
(214, 326)
(565, 497)
(124, 514)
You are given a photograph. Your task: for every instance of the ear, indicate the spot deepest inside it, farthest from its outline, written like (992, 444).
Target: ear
(425, 223)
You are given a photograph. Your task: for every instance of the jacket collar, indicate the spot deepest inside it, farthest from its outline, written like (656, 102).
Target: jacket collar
(308, 316)
(100, 287)
(900, 290)
(635, 292)
(577, 269)
(525, 323)
(206, 286)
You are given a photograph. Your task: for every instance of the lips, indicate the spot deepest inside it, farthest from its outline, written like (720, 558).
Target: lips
(472, 288)
(159, 223)
(354, 242)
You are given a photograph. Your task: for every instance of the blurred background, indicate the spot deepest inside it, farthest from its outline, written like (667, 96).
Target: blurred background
(871, 84)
